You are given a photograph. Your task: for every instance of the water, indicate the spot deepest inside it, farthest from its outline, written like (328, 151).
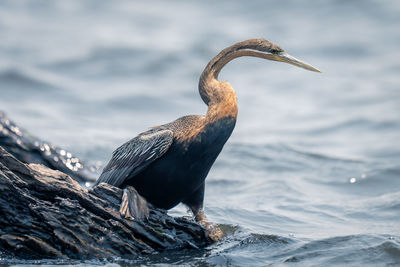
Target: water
(311, 174)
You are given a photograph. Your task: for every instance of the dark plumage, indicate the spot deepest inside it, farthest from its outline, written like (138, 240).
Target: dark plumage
(167, 167)
(168, 164)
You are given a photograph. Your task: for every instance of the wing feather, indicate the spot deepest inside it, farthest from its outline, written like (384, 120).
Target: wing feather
(135, 155)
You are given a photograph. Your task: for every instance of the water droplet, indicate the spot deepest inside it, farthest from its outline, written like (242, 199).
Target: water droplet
(69, 166)
(291, 234)
(69, 155)
(41, 148)
(55, 159)
(78, 165)
(363, 176)
(16, 130)
(46, 146)
(62, 152)
(391, 237)
(88, 184)
(353, 180)
(74, 160)
(36, 143)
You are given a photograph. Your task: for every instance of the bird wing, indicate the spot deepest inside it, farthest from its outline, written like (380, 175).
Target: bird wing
(135, 155)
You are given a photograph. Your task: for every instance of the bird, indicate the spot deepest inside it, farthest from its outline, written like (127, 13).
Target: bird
(168, 164)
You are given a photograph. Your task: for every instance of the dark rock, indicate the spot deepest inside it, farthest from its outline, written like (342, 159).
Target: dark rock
(44, 213)
(30, 149)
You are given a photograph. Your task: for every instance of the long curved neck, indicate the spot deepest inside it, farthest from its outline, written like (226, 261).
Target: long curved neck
(211, 90)
(220, 96)
(209, 86)
(216, 64)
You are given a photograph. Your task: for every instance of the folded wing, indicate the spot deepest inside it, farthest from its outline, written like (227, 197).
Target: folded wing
(135, 155)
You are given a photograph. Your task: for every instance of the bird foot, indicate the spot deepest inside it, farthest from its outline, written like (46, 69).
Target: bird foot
(133, 205)
(212, 230)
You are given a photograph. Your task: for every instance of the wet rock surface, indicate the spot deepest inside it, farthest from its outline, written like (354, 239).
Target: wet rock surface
(44, 213)
(30, 149)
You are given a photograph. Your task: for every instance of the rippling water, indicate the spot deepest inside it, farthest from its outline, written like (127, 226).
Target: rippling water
(311, 174)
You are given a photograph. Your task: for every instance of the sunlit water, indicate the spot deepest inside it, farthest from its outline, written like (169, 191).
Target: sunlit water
(311, 174)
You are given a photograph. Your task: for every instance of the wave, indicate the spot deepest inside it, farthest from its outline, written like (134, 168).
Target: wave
(31, 79)
(24, 79)
(140, 102)
(262, 250)
(367, 249)
(117, 62)
(283, 158)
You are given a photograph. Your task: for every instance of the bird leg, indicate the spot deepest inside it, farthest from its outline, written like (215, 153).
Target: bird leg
(195, 204)
(212, 230)
(133, 205)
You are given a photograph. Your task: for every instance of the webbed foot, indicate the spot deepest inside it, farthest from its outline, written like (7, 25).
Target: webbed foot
(133, 205)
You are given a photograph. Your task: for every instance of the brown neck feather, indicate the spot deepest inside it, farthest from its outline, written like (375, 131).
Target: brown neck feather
(210, 89)
(219, 96)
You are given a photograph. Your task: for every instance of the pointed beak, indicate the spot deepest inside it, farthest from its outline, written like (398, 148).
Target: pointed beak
(284, 57)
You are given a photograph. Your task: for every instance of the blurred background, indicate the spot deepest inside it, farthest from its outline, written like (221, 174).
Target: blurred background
(311, 173)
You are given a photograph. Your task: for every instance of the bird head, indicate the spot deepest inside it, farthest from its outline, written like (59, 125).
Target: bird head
(265, 49)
